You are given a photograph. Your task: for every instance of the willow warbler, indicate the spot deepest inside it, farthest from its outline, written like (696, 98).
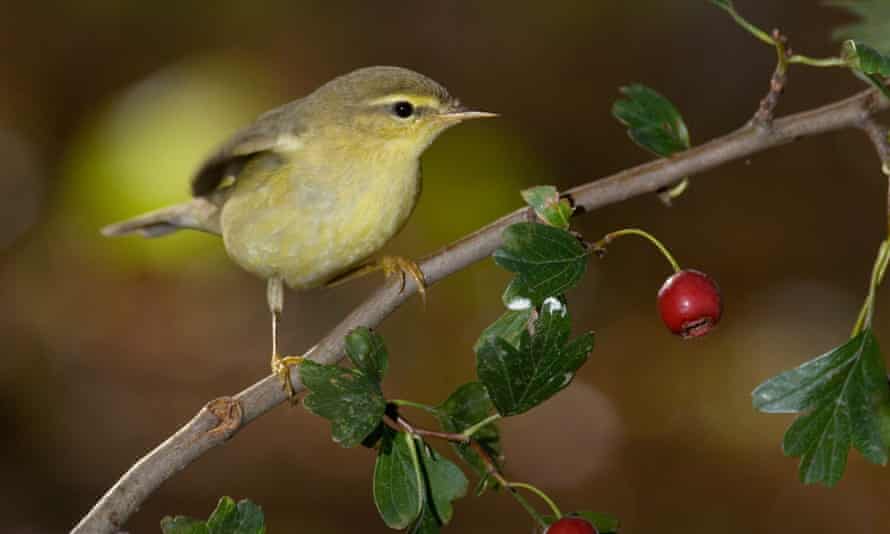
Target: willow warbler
(308, 192)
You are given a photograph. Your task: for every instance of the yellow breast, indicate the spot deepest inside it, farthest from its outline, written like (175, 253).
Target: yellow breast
(307, 219)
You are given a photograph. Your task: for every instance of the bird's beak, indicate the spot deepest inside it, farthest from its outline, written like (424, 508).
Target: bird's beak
(462, 114)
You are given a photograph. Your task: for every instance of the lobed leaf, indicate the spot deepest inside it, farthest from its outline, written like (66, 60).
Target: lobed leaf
(367, 352)
(228, 518)
(350, 399)
(520, 378)
(547, 262)
(243, 518)
(844, 397)
(509, 327)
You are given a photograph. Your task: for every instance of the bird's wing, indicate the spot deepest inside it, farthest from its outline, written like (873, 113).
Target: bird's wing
(274, 130)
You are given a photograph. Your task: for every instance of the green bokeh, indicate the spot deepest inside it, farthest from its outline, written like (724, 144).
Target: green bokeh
(138, 153)
(472, 176)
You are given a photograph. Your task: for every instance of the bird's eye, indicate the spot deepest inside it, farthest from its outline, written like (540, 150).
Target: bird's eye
(403, 109)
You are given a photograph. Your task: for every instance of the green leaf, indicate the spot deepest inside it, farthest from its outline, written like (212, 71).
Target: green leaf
(873, 25)
(428, 522)
(519, 379)
(183, 525)
(547, 262)
(652, 121)
(723, 4)
(243, 518)
(228, 518)
(367, 352)
(467, 406)
(445, 482)
(509, 326)
(485, 481)
(548, 206)
(867, 64)
(604, 523)
(843, 394)
(398, 481)
(350, 399)
(884, 420)
(865, 58)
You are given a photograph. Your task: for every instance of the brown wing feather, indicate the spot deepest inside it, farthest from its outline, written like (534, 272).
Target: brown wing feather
(261, 136)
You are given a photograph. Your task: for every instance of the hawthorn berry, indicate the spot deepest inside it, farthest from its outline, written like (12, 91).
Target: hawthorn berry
(571, 525)
(690, 303)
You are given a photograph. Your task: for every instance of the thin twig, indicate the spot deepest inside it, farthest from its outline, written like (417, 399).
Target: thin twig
(478, 426)
(403, 424)
(541, 495)
(599, 248)
(764, 115)
(491, 468)
(192, 440)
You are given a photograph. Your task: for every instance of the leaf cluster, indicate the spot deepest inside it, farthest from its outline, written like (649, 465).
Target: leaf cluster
(525, 357)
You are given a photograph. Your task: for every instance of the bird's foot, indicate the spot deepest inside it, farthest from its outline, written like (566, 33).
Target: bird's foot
(281, 368)
(390, 265)
(397, 265)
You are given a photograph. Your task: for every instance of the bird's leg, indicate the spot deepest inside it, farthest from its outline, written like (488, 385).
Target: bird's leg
(280, 365)
(390, 265)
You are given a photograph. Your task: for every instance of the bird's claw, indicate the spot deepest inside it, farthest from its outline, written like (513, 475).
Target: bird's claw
(402, 266)
(281, 368)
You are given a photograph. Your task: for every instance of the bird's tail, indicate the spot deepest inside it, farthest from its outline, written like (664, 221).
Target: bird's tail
(197, 214)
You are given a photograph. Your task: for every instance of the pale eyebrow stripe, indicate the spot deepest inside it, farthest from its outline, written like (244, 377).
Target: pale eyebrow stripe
(420, 101)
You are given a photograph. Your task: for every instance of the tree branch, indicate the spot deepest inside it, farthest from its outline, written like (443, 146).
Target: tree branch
(221, 419)
(877, 134)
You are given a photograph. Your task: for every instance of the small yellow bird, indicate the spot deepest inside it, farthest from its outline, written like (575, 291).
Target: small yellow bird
(307, 193)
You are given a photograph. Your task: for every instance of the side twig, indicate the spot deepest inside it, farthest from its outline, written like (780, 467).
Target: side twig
(196, 437)
(764, 115)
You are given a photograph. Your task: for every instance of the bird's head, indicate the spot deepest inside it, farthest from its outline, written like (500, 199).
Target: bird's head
(389, 108)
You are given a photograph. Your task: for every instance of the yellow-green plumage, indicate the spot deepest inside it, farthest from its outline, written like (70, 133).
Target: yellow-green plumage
(283, 219)
(315, 187)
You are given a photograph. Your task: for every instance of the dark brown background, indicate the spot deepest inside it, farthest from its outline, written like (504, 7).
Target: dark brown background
(108, 346)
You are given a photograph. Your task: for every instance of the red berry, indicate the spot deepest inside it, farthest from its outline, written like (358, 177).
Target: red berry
(571, 525)
(690, 303)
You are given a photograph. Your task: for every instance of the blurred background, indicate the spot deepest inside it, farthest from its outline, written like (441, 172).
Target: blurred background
(110, 345)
